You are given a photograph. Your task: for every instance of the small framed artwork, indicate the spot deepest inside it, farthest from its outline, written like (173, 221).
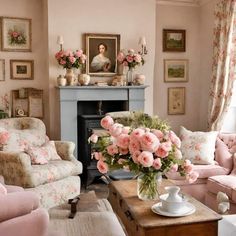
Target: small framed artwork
(16, 34)
(176, 101)
(102, 50)
(22, 69)
(173, 40)
(2, 70)
(175, 70)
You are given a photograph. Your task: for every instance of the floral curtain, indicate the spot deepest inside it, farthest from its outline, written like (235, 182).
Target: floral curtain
(224, 62)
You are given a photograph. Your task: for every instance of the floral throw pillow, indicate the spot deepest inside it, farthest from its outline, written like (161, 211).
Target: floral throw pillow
(52, 152)
(199, 147)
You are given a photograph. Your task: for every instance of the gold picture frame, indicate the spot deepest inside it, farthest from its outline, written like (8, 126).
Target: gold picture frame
(174, 40)
(176, 101)
(101, 51)
(2, 70)
(16, 34)
(22, 69)
(176, 70)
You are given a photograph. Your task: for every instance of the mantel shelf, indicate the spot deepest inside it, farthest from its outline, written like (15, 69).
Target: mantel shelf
(103, 87)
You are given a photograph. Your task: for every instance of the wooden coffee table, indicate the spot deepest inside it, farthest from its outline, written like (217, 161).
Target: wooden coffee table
(138, 218)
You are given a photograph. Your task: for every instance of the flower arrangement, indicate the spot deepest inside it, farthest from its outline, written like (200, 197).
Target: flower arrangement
(130, 59)
(16, 37)
(147, 146)
(69, 59)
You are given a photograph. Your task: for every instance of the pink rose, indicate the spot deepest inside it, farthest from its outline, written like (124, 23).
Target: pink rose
(188, 166)
(115, 129)
(4, 136)
(149, 142)
(123, 141)
(62, 62)
(123, 151)
(79, 53)
(146, 159)
(137, 133)
(174, 168)
(157, 164)
(126, 130)
(107, 122)
(137, 58)
(174, 139)
(134, 146)
(98, 156)
(158, 133)
(72, 59)
(192, 177)
(161, 152)
(129, 58)
(93, 138)
(112, 149)
(15, 34)
(102, 167)
(135, 156)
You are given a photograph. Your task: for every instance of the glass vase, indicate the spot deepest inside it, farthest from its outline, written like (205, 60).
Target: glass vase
(130, 76)
(147, 186)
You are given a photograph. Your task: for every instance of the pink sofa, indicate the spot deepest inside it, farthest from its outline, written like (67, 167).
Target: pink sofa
(20, 214)
(219, 177)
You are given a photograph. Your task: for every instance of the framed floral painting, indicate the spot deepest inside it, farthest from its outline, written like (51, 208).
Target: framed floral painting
(101, 51)
(16, 34)
(176, 101)
(22, 69)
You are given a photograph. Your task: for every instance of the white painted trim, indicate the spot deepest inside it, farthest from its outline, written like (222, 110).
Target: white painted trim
(188, 3)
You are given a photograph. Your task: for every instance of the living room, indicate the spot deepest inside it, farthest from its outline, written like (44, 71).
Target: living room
(70, 22)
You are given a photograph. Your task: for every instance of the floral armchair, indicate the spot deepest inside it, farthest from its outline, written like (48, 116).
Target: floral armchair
(30, 160)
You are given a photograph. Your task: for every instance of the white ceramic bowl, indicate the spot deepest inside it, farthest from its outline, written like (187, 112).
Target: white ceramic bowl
(172, 206)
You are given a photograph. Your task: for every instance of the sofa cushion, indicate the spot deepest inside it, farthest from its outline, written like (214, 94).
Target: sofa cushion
(54, 170)
(223, 183)
(199, 147)
(204, 171)
(222, 155)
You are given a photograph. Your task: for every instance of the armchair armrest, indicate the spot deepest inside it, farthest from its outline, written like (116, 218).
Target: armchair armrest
(17, 204)
(14, 167)
(65, 150)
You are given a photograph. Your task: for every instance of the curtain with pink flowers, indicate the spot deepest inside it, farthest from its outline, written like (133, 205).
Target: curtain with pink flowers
(224, 62)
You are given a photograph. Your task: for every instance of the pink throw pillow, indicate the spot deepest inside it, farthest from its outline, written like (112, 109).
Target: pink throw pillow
(3, 190)
(52, 152)
(37, 155)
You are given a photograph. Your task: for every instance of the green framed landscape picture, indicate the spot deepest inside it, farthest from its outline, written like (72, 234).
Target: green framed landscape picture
(174, 40)
(176, 70)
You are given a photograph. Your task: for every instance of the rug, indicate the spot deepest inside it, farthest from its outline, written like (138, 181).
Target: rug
(94, 217)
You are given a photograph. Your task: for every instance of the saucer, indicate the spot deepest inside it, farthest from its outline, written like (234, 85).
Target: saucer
(188, 209)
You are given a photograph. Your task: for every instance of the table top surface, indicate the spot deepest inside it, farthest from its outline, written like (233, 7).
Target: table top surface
(143, 215)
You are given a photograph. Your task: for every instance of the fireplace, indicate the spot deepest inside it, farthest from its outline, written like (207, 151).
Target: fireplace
(82, 107)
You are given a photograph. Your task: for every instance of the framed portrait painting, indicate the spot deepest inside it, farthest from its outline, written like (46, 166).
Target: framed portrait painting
(175, 70)
(2, 70)
(22, 69)
(174, 40)
(102, 50)
(176, 101)
(16, 34)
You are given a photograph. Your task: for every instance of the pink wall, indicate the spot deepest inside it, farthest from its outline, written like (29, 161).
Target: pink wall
(72, 19)
(27, 9)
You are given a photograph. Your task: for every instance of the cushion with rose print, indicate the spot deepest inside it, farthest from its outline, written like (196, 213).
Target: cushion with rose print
(199, 147)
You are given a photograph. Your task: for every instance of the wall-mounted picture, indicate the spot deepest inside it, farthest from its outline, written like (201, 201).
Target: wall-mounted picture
(2, 70)
(22, 69)
(175, 70)
(176, 101)
(173, 40)
(16, 34)
(101, 50)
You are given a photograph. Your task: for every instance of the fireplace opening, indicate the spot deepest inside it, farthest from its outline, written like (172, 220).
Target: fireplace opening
(89, 116)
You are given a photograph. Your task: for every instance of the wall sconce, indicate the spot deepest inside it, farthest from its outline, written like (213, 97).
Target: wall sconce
(142, 42)
(60, 41)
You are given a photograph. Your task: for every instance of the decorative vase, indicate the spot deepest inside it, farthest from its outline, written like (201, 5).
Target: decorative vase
(130, 76)
(61, 80)
(84, 79)
(70, 77)
(147, 186)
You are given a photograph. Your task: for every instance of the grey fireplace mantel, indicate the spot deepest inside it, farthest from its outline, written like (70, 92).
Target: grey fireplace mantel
(70, 96)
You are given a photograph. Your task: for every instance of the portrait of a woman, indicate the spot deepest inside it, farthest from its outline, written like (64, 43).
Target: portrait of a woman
(101, 63)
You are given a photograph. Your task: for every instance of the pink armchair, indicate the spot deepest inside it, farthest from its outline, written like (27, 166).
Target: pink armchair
(20, 215)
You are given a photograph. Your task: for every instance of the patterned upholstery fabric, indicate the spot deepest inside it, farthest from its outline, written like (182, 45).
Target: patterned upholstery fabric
(55, 181)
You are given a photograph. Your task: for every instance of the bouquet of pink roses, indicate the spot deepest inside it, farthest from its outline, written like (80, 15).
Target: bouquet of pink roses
(69, 59)
(149, 149)
(130, 59)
